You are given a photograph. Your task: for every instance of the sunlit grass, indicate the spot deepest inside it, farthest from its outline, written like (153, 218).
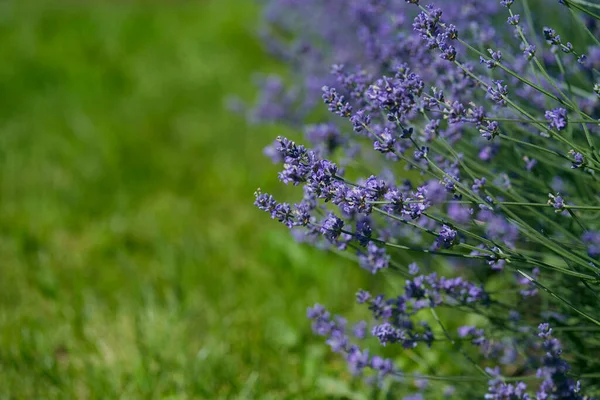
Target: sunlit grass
(133, 261)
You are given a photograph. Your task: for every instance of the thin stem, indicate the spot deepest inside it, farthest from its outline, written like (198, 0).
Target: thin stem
(535, 146)
(503, 203)
(575, 4)
(536, 283)
(523, 112)
(540, 121)
(456, 345)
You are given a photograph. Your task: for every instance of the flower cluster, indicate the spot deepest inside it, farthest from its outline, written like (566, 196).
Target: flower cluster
(467, 146)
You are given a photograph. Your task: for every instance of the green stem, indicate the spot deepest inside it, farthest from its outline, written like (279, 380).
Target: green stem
(576, 5)
(539, 121)
(456, 345)
(536, 283)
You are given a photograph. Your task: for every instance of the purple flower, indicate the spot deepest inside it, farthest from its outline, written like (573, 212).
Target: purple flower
(478, 184)
(529, 163)
(529, 51)
(332, 227)
(360, 120)
(413, 268)
(459, 213)
(363, 231)
(551, 36)
(396, 96)
(496, 56)
(498, 390)
(362, 296)
(592, 240)
(578, 160)
(265, 202)
(514, 19)
(396, 200)
(374, 259)
(556, 201)
(557, 118)
(435, 192)
(383, 365)
(283, 213)
(385, 143)
(544, 330)
(358, 360)
(337, 104)
(360, 330)
(447, 238)
(498, 92)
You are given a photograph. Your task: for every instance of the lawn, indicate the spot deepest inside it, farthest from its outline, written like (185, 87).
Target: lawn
(134, 264)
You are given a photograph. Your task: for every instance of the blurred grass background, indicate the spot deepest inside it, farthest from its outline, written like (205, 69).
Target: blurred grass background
(133, 262)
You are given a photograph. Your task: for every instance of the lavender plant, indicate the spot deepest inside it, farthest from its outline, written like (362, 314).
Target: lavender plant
(459, 156)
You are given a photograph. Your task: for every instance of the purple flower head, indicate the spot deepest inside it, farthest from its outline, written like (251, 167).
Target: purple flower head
(557, 118)
(592, 240)
(376, 188)
(360, 120)
(384, 366)
(578, 160)
(544, 330)
(456, 113)
(332, 227)
(478, 184)
(528, 51)
(467, 330)
(337, 104)
(362, 296)
(363, 231)
(556, 201)
(413, 268)
(447, 238)
(435, 192)
(337, 340)
(530, 163)
(264, 201)
(488, 152)
(495, 57)
(271, 152)
(374, 259)
(514, 19)
(315, 312)
(551, 36)
(489, 129)
(385, 142)
(356, 201)
(421, 154)
(499, 390)
(431, 130)
(360, 330)
(396, 200)
(396, 96)
(498, 92)
(459, 213)
(283, 213)
(358, 360)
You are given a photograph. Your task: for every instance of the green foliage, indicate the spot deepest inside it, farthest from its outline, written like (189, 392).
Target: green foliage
(133, 262)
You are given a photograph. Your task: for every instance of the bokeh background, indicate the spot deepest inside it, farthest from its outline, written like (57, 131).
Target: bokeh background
(133, 263)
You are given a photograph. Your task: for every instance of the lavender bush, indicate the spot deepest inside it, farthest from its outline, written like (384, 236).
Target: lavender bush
(459, 157)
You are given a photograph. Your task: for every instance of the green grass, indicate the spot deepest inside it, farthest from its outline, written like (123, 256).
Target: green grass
(133, 262)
